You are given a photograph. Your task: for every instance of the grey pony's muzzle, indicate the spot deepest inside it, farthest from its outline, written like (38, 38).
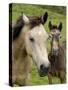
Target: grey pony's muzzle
(43, 70)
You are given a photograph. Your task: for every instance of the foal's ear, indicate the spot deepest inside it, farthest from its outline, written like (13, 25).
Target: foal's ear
(50, 25)
(25, 19)
(60, 26)
(44, 17)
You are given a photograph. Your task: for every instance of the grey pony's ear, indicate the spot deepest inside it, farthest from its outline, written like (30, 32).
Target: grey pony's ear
(44, 17)
(60, 26)
(50, 25)
(25, 19)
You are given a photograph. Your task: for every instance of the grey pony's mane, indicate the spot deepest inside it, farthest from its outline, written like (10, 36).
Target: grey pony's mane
(16, 29)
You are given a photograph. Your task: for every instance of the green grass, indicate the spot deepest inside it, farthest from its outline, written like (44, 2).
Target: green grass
(55, 17)
(35, 79)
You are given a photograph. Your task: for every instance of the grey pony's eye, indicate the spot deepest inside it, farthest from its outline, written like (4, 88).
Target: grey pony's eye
(50, 36)
(31, 39)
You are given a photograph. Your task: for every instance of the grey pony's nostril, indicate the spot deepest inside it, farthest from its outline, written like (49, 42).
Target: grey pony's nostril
(46, 70)
(42, 67)
(43, 70)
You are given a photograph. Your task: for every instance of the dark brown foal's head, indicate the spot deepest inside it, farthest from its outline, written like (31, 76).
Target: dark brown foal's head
(55, 36)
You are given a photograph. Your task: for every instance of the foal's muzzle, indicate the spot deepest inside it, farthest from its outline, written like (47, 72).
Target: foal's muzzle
(55, 52)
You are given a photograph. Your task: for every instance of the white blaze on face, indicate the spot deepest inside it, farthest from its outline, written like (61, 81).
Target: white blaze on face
(55, 45)
(37, 48)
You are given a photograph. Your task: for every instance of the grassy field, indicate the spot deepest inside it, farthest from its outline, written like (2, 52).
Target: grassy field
(56, 15)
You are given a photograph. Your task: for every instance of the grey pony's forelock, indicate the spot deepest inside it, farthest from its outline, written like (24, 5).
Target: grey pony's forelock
(34, 21)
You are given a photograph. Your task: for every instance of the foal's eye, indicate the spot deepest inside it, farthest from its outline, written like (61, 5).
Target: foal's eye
(59, 36)
(31, 39)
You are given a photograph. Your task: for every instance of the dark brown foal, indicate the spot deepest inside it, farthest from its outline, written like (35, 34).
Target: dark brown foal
(56, 55)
